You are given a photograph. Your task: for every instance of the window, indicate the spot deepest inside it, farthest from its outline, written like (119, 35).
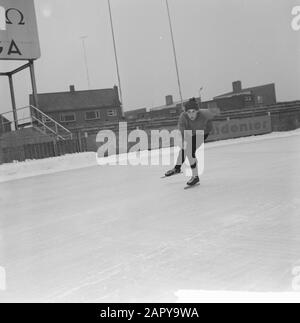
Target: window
(260, 99)
(112, 113)
(67, 117)
(92, 115)
(248, 99)
(212, 105)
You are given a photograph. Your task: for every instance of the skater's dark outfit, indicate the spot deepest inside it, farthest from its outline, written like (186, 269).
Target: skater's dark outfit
(192, 120)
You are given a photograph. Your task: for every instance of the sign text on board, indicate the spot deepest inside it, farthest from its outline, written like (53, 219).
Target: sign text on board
(18, 30)
(5, 18)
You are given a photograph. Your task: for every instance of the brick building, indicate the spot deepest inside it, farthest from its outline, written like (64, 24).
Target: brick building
(237, 99)
(240, 98)
(81, 110)
(136, 114)
(5, 125)
(168, 110)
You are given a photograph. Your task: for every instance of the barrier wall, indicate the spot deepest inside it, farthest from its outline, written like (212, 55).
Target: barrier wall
(236, 128)
(222, 130)
(39, 150)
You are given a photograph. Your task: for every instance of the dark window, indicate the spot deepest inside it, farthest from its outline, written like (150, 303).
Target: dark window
(92, 115)
(112, 113)
(260, 99)
(67, 117)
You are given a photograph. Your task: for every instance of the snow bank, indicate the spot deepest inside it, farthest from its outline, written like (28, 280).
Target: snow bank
(30, 168)
(198, 296)
(18, 170)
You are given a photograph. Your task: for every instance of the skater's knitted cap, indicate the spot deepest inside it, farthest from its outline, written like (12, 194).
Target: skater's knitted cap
(191, 105)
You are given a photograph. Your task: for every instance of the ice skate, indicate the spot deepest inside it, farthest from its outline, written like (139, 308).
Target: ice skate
(193, 181)
(172, 172)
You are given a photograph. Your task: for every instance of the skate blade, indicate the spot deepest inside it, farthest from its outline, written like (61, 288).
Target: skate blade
(171, 176)
(191, 186)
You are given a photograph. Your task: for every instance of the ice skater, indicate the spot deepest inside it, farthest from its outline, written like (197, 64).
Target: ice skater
(193, 119)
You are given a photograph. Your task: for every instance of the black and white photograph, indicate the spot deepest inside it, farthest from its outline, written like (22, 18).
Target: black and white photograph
(149, 153)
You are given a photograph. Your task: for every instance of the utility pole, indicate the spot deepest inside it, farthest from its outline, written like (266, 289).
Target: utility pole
(174, 52)
(116, 56)
(83, 38)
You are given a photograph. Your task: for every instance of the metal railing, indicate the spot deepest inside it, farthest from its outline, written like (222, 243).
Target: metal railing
(31, 116)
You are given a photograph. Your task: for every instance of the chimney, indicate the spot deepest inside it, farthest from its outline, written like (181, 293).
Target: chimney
(169, 100)
(72, 88)
(116, 90)
(237, 86)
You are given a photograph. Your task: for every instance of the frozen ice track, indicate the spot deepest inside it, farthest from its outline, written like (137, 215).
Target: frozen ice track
(123, 234)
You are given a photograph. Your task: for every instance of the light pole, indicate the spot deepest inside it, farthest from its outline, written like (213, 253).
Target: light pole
(83, 38)
(116, 56)
(174, 52)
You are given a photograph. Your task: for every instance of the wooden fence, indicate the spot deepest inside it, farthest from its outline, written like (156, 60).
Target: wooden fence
(41, 150)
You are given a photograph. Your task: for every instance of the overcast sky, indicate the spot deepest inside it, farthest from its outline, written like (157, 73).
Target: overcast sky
(218, 41)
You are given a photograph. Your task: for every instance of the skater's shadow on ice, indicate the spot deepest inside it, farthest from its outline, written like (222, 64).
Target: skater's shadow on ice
(182, 182)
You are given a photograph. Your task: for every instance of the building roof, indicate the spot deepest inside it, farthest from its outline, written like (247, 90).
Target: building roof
(142, 110)
(246, 91)
(4, 120)
(231, 94)
(77, 100)
(172, 106)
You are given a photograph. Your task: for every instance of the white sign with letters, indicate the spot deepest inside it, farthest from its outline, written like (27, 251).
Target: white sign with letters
(18, 30)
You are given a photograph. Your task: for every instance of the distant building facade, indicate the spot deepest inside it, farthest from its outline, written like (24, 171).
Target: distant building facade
(5, 125)
(137, 114)
(237, 99)
(240, 98)
(77, 110)
(168, 110)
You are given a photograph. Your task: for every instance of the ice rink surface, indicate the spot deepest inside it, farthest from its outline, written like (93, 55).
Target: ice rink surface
(107, 234)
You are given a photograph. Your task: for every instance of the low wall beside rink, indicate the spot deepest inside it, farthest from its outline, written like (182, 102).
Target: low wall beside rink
(156, 134)
(236, 128)
(232, 124)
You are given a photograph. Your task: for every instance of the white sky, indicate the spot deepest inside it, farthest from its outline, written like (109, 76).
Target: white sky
(218, 41)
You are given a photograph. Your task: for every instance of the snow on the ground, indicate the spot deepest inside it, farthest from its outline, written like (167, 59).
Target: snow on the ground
(106, 234)
(201, 296)
(18, 170)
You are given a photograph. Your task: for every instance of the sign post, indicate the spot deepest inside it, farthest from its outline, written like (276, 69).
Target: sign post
(13, 101)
